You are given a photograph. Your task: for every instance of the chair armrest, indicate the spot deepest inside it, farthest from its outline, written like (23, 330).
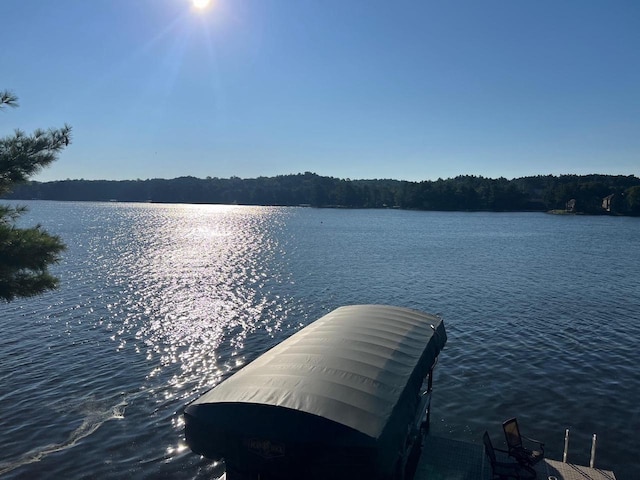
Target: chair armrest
(534, 441)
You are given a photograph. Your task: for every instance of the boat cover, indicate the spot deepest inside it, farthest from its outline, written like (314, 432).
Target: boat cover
(359, 368)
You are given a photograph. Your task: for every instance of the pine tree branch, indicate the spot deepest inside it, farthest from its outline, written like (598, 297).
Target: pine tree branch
(8, 99)
(26, 253)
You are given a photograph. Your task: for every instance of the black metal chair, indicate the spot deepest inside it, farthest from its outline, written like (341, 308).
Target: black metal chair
(517, 450)
(505, 470)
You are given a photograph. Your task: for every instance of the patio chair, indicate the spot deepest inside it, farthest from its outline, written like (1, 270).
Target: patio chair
(505, 470)
(517, 450)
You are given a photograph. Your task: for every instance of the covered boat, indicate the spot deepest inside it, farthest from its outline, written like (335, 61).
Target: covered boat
(346, 397)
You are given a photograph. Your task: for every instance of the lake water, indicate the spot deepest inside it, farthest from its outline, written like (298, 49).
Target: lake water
(159, 303)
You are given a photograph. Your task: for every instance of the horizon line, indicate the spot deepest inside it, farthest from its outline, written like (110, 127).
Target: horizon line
(234, 177)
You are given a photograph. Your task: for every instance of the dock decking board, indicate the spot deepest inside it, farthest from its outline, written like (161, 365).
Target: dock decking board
(444, 458)
(569, 471)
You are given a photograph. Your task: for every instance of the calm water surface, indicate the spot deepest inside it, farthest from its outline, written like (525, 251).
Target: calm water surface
(158, 303)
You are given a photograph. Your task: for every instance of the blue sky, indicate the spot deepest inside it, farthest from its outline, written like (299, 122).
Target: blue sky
(411, 90)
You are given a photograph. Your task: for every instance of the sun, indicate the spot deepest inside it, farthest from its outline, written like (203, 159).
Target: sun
(201, 4)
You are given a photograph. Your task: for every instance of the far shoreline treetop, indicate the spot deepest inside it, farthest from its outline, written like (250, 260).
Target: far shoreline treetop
(462, 193)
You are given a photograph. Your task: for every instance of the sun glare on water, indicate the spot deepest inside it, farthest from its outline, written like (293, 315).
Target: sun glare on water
(201, 4)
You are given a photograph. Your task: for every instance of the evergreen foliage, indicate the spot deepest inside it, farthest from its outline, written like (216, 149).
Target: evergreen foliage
(462, 193)
(26, 253)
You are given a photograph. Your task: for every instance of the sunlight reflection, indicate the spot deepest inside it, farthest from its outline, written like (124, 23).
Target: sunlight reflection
(195, 299)
(189, 295)
(172, 450)
(200, 288)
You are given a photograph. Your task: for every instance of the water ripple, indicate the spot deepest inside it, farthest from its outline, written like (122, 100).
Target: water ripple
(158, 303)
(93, 419)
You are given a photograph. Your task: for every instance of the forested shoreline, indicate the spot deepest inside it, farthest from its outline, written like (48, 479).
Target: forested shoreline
(591, 194)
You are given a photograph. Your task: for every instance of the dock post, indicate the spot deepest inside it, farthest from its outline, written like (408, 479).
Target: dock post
(566, 445)
(593, 452)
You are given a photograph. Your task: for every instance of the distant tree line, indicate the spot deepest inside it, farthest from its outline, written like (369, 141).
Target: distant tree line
(462, 193)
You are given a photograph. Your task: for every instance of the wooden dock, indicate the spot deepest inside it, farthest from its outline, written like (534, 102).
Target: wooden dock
(447, 459)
